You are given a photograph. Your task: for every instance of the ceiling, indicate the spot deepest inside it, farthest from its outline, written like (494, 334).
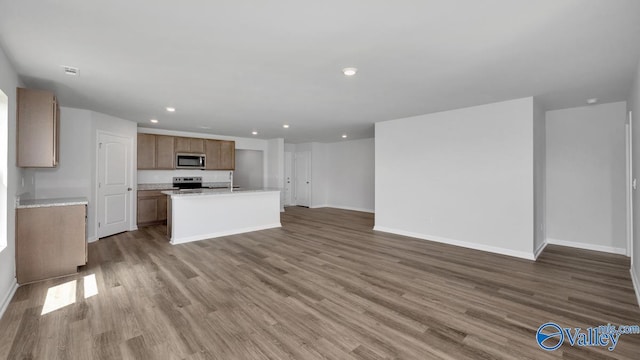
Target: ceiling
(234, 66)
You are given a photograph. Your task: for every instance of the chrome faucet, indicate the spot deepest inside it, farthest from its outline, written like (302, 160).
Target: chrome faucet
(231, 181)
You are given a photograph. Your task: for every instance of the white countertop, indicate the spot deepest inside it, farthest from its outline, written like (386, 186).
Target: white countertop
(169, 186)
(202, 192)
(36, 203)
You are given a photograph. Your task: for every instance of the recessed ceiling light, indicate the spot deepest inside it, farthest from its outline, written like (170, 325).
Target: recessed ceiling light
(254, 133)
(350, 71)
(344, 136)
(286, 126)
(171, 109)
(155, 121)
(592, 101)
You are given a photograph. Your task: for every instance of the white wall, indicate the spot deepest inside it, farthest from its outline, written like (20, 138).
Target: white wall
(275, 167)
(463, 177)
(249, 169)
(8, 83)
(72, 176)
(539, 177)
(319, 176)
(350, 166)
(634, 106)
(586, 201)
(76, 174)
(342, 173)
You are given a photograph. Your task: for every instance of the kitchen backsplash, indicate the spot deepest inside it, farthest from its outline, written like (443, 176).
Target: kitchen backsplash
(166, 176)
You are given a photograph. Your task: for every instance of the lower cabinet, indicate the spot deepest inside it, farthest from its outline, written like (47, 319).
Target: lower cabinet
(50, 241)
(152, 207)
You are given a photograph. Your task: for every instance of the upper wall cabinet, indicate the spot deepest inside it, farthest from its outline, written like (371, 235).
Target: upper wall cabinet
(227, 155)
(220, 154)
(38, 128)
(165, 153)
(146, 151)
(155, 152)
(189, 145)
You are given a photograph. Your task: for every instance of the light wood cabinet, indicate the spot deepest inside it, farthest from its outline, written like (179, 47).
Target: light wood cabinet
(155, 152)
(228, 155)
(146, 151)
(38, 128)
(189, 145)
(50, 242)
(152, 207)
(165, 154)
(220, 154)
(212, 153)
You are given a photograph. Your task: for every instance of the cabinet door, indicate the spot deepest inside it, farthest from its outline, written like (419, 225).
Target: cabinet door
(146, 151)
(212, 153)
(182, 145)
(147, 210)
(50, 242)
(36, 128)
(165, 154)
(196, 145)
(227, 155)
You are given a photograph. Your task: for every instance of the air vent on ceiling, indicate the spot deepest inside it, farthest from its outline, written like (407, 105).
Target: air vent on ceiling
(70, 70)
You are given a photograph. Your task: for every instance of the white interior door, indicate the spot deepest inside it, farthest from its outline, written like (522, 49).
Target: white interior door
(114, 184)
(302, 168)
(288, 179)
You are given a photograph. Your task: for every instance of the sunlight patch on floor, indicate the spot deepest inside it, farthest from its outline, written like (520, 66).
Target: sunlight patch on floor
(59, 296)
(90, 286)
(65, 294)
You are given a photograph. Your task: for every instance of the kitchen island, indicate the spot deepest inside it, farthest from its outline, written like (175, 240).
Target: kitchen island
(200, 214)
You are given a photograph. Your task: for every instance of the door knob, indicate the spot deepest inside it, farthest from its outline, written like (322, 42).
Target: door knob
(129, 189)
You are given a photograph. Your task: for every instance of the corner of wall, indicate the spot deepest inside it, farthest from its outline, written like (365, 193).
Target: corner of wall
(4, 304)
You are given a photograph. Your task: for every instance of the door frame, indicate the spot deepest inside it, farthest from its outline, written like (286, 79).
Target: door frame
(133, 225)
(630, 183)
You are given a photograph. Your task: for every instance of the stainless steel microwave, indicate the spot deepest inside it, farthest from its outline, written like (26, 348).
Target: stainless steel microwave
(190, 161)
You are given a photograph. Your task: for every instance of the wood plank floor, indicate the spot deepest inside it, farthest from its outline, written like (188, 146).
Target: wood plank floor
(324, 286)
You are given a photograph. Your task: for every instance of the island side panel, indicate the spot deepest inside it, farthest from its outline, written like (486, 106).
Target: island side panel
(199, 217)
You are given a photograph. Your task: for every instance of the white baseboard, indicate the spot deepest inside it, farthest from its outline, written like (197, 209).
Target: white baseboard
(7, 299)
(636, 284)
(318, 206)
(466, 244)
(539, 250)
(223, 233)
(578, 245)
(92, 239)
(351, 208)
(342, 208)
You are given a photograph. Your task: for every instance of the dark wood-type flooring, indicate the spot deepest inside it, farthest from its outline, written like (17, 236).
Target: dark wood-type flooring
(324, 286)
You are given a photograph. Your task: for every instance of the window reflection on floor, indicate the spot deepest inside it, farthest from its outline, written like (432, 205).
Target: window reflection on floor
(63, 295)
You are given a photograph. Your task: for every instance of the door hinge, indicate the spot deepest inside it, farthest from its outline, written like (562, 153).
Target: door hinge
(98, 224)
(99, 145)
